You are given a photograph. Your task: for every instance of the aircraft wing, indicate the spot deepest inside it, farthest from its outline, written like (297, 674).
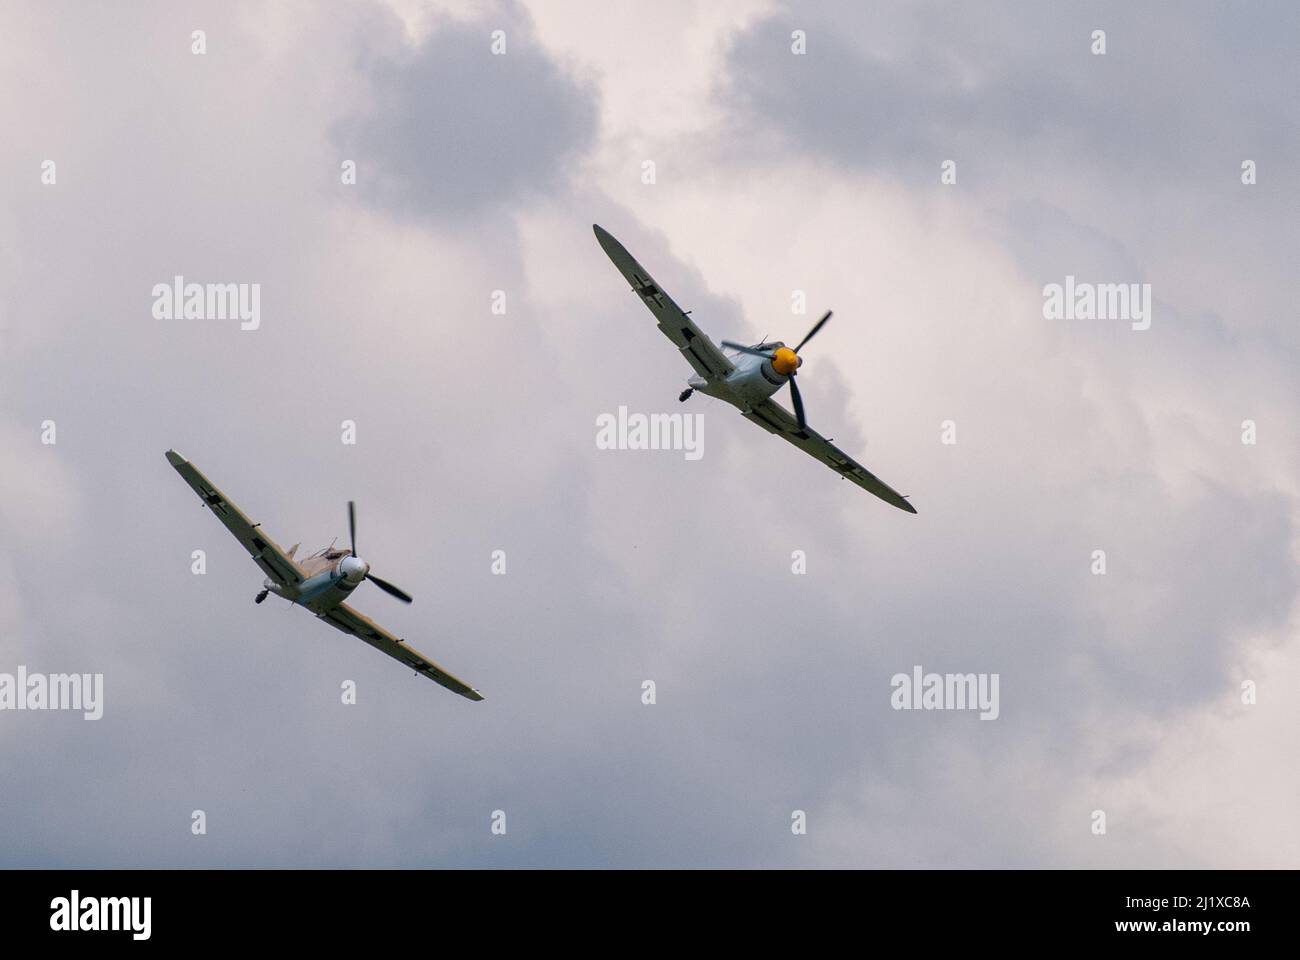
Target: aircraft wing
(699, 351)
(349, 621)
(773, 417)
(264, 551)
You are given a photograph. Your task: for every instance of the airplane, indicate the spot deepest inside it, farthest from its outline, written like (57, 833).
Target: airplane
(320, 582)
(745, 376)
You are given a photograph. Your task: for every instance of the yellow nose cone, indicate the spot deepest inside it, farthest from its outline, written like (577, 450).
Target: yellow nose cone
(785, 362)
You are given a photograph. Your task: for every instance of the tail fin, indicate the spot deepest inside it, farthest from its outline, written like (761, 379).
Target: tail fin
(293, 550)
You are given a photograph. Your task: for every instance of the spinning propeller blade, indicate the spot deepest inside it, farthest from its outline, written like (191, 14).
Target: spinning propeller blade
(383, 585)
(798, 404)
(813, 332)
(389, 589)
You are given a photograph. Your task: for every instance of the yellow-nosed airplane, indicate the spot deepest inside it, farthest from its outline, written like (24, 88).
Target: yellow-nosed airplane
(320, 582)
(745, 376)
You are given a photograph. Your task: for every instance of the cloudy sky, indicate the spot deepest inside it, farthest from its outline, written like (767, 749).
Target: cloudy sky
(773, 172)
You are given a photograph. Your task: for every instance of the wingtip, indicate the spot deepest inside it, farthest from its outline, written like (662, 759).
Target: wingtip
(174, 458)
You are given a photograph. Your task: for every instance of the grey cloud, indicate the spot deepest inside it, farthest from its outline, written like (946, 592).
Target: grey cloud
(450, 130)
(1010, 86)
(1137, 151)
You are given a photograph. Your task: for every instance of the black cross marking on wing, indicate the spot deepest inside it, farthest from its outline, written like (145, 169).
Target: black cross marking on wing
(646, 288)
(215, 502)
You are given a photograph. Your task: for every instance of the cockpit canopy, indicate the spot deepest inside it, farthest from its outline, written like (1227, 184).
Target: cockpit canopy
(332, 552)
(772, 345)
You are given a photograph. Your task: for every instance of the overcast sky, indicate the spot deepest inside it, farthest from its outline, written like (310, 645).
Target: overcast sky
(774, 172)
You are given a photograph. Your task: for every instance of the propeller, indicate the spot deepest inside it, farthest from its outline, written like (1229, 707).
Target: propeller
(357, 565)
(813, 332)
(389, 589)
(786, 362)
(798, 403)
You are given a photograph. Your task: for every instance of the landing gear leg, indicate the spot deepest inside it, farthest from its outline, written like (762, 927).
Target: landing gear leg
(261, 596)
(686, 395)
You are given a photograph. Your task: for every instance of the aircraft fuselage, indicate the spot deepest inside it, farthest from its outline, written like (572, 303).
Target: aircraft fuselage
(753, 381)
(331, 576)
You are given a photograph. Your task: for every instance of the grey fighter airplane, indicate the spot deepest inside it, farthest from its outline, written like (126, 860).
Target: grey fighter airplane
(320, 582)
(745, 376)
